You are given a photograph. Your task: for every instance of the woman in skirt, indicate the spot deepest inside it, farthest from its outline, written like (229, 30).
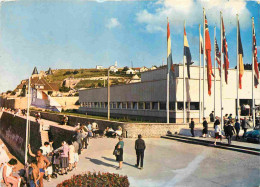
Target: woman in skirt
(119, 157)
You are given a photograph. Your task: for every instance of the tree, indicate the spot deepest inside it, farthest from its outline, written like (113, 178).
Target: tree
(13, 93)
(64, 89)
(23, 92)
(100, 84)
(125, 68)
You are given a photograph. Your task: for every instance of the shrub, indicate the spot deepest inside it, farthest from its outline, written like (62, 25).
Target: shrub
(64, 89)
(13, 93)
(97, 180)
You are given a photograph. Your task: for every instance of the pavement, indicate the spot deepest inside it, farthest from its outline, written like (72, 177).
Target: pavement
(170, 163)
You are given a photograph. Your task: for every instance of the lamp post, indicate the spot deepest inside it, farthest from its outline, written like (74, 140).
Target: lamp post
(108, 94)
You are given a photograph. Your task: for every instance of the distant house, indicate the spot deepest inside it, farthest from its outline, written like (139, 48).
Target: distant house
(143, 69)
(99, 67)
(113, 69)
(135, 79)
(153, 68)
(137, 70)
(130, 71)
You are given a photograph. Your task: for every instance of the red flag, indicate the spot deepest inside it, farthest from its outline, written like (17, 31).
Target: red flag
(225, 52)
(208, 55)
(256, 73)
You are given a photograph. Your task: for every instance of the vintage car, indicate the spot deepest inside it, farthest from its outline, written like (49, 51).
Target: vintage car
(253, 135)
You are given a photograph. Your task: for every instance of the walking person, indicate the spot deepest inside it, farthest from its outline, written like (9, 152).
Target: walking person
(217, 134)
(119, 148)
(245, 125)
(64, 157)
(217, 122)
(205, 128)
(139, 148)
(237, 128)
(192, 125)
(230, 132)
(71, 155)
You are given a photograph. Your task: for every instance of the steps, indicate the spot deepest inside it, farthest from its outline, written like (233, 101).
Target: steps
(44, 137)
(210, 143)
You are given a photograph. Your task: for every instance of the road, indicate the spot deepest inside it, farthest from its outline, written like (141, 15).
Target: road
(171, 163)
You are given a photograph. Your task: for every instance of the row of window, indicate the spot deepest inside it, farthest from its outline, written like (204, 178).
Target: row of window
(141, 105)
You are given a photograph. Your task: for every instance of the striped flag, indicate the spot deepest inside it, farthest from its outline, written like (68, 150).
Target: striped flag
(225, 52)
(169, 50)
(186, 52)
(218, 55)
(208, 55)
(240, 58)
(256, 73)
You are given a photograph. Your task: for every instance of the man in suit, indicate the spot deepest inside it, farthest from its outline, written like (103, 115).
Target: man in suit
(192, 125)
(140, 147)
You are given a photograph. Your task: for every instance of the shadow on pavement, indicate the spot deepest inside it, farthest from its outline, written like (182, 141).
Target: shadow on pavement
(113, 160)
(99, 162)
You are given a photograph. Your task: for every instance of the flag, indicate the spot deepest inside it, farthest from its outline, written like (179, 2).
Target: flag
(186, 52)
(240, 58)
(218, 55)
(169, 50)
(256, 73)
(208, 55)
(225, 51)
(201, 44)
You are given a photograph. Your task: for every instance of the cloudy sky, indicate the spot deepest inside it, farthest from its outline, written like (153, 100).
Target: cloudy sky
(83, 34)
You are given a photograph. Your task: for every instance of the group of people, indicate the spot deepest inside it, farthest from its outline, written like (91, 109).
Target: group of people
(230, 127)
(139, 148)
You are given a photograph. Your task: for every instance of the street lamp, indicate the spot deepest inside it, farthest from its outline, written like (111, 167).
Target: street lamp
(108, 94)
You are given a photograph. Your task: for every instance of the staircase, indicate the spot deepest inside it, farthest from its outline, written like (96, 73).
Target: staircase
(44, 137)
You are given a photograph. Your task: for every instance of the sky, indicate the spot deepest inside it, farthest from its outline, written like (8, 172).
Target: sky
(82, 34)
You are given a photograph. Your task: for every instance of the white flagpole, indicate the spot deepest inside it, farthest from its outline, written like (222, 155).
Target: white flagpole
(27, 122)
(168, 86)
(237, 74)
(204, 49)
(253, 69)
(200, 74)
(214, 71)
(184, 85)
(221, 72)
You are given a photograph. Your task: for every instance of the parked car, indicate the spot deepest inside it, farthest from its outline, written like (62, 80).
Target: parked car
(253, 135)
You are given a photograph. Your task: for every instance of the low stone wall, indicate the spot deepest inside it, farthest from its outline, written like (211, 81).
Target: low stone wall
(13, 133)
(151, 130)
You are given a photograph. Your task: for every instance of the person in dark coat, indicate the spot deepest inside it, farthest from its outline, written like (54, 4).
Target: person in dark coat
(120, 148)
(205, 128)
(217, 122)
(237, 128)
(230, 131)
(192, 125)
(211, 116)
(245, 125)
(139, 148)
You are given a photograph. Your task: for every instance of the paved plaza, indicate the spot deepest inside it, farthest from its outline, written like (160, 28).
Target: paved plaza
(171, 163)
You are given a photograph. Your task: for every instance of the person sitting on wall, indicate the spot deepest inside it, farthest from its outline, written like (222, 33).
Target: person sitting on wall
(65, 120)
(7, 174)
(94, 128)
(119, 131)
(34, 174)
(111, 133)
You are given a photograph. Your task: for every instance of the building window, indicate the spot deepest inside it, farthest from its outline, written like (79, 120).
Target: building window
(155, 105)
(172, 105)
(180, 105)
(141, 105)
(105, 104)
(114, 104)
(124, 105)
(102, 105)
(147, 105)
(129, 105)
(194, 105)
(119, 105)
(96, 105)
(92, 105)
(162, 105)
(135, 105)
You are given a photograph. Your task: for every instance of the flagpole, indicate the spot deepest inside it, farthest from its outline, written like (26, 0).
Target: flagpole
(214, 71)
(221, 72)
(168, 88)
(200, 74)
(253, 69)
(204, 62)
(184, 85)
(237, 109)
(27, 122)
